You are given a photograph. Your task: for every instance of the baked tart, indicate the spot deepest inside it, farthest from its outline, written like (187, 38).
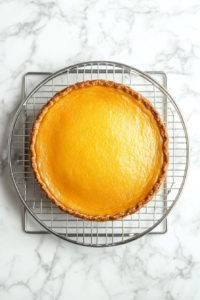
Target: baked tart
(99, 150)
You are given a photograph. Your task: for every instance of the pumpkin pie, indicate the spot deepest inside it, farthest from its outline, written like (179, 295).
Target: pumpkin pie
(99, 150)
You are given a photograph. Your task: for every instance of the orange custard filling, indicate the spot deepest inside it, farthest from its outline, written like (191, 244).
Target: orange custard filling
(99, 151)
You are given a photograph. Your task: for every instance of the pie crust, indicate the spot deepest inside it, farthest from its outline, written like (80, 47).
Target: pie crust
(142, 100)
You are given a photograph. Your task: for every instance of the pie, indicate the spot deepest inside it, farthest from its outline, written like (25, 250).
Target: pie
(99, 150)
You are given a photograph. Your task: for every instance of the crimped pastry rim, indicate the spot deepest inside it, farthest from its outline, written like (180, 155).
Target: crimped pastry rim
(163, 132)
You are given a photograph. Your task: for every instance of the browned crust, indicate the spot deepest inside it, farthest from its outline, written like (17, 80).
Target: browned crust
(148, 106)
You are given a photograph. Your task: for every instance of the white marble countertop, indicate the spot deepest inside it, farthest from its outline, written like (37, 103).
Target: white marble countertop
(149, 35)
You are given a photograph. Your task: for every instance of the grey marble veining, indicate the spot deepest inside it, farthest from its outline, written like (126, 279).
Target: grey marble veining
(149, 35)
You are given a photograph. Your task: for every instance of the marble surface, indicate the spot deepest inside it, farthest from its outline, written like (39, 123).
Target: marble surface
(149, 35)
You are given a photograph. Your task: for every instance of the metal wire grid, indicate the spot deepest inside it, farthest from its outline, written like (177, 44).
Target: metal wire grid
(77, 230)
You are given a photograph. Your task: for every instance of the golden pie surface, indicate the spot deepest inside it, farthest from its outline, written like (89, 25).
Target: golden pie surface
(99, 150)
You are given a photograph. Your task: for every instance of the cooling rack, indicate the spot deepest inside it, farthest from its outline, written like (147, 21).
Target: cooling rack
(40, 215)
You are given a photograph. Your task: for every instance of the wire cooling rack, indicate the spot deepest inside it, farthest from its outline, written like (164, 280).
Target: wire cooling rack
(152, 217)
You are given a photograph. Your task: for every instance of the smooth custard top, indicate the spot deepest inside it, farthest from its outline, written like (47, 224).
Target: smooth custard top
(99, 151)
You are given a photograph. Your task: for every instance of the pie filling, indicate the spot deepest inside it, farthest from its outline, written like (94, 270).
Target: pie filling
(99, 151)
